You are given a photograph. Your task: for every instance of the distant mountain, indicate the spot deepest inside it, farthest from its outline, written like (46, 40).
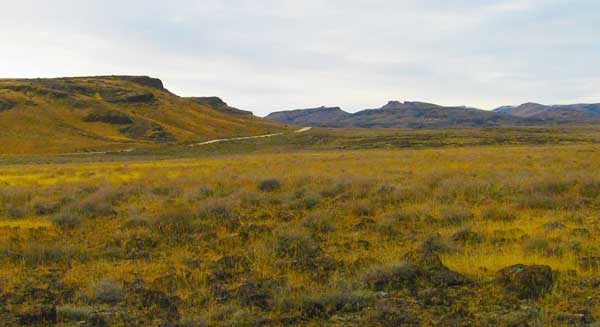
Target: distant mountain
(111, 112)
(400, 115)
(554, 113)
(322, 116)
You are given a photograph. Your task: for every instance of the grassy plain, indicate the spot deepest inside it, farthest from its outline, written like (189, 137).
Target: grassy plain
(275, 236)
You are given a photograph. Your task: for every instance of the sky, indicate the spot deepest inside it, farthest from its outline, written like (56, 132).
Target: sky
(270, 55)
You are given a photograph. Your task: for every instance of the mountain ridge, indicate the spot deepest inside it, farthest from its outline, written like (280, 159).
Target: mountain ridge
(396, 114)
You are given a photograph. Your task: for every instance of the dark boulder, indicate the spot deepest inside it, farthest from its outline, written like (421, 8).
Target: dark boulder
(421, 270)
(526, 282)
(6, 104)
(43, 315)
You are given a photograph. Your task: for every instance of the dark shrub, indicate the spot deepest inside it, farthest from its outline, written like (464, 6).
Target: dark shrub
(108, 292)
(269, 185)
(175, 222)
(392, 315)
(221, 212)
(205, 192)
(455, 215)
(402, 276)
(363, 208)
(67, 220)
(466, 235)
(256, 293)
(303, 252)
(319, 225)
(326, 305)
(229, 267)
(45, 208)
(499, 213)
(16, 212)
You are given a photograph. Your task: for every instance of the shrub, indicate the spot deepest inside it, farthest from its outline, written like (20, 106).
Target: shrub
(329, 304)
(165, 190)
(542, 246)
(454, 215)
(16, 212)
(75, 313)
(221, 212)
(108, 292)
(319, 225)
(39, 254)
(205, 192)
(269, 185)
(338, 188)
(218, 210)
(401, 276)
(228, 268)
(67, 220)
(363, 208)
(308, 202)
(391, 315)
(499, 213)
(303, 251)
(45, 208)
(435, 243)
(175, 222)
(466, 235)
(256, 293)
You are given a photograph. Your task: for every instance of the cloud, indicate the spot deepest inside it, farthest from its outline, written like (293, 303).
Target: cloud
(277, 54)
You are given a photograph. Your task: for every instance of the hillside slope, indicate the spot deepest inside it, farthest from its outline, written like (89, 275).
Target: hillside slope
(554, 113)
(109, 113)
(400, 115)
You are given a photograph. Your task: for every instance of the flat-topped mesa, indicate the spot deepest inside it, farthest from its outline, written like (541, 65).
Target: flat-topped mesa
(218, 104)
(408, 105)
(142, 80)
(320, 116)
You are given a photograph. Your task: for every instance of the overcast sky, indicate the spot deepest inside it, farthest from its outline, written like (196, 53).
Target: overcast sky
(268, 55)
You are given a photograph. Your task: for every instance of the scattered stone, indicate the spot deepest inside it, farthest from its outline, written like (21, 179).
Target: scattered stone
(526, 282)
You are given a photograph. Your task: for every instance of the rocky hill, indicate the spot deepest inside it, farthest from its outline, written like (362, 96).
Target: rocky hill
(322, 116)
(111, 112)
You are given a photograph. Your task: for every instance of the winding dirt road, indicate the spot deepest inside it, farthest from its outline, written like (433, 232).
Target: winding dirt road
(302, 130)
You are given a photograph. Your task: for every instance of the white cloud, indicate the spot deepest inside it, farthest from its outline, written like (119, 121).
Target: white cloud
(271, 55)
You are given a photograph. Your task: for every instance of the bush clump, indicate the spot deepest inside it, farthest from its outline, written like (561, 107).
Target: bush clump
(269, 185)
(108, 292)
(175, 222)
(67, 220)
(303, 251)
(499, 213)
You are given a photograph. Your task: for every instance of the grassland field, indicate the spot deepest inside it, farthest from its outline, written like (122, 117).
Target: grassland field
(327, 228)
